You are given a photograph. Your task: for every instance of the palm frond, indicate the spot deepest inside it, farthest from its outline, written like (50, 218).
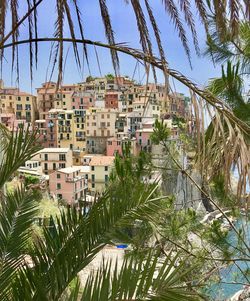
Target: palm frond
(144, 277)
(59, 26)
(80, 25)
(20, 147)
(158, 40)
(56, 261)
(3, 10)
(72, 32)
(202, 10)
(16, 216)
(30, 19)
(109, 33)
(143, 30)
(172, 10)
(185, 7)
(15, 32)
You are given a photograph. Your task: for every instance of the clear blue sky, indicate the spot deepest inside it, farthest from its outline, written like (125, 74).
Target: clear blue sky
(124, 24)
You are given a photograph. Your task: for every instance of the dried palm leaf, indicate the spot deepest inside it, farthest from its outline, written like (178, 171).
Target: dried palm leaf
(109, 33)
(185, 7)
(172, 10)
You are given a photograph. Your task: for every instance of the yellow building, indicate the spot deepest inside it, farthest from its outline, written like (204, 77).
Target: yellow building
(23, 105)
(71, 129)
(100, 168)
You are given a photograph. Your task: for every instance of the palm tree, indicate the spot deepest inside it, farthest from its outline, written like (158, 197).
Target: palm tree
(44, 266)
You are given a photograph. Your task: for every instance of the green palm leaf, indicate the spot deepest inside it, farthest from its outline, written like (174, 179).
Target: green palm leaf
(19, 146)
(16, 216)
(142, 277)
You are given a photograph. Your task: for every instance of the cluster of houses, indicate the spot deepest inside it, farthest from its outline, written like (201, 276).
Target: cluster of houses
(82, 126)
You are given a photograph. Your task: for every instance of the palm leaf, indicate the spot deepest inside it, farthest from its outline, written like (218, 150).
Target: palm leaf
(20, 147)
(109, 33)
(144, 277)
(16, 216)
(73, 240)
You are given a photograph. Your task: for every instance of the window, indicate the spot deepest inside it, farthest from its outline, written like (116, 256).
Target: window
(45, 166)
(62, 157)
(93, 178)
(27, 98)
(108, 116)
(73, 99)
(58, 186)
(106, 168)
(108, 123)
(92, 168)
(59, 196)
(106, 178)
(93, 185)
(54, 166)
(102, 116)
(58, 176)
(46, 157)
(61, 165)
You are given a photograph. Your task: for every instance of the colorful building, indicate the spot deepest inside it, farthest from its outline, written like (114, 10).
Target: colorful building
(69, 184)
(55, 158)
(100, 168)
(100, 125)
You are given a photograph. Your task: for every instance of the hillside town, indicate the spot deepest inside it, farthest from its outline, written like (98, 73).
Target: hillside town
(81, 127)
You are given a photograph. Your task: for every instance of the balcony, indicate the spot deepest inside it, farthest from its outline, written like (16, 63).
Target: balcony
(75, 179)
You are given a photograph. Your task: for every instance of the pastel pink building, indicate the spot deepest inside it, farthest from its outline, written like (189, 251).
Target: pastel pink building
(10, 121)
(114, 145)
(143, 139)
(69, 184)
(83, 100)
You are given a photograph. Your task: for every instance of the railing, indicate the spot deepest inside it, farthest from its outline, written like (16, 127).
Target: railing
(75, 179)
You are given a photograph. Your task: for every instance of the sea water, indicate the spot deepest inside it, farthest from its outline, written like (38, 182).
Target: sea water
(231, 278)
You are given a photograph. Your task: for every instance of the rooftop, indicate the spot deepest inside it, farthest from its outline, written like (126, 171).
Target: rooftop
(71, 169)
(54, 150)
(102, 161)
